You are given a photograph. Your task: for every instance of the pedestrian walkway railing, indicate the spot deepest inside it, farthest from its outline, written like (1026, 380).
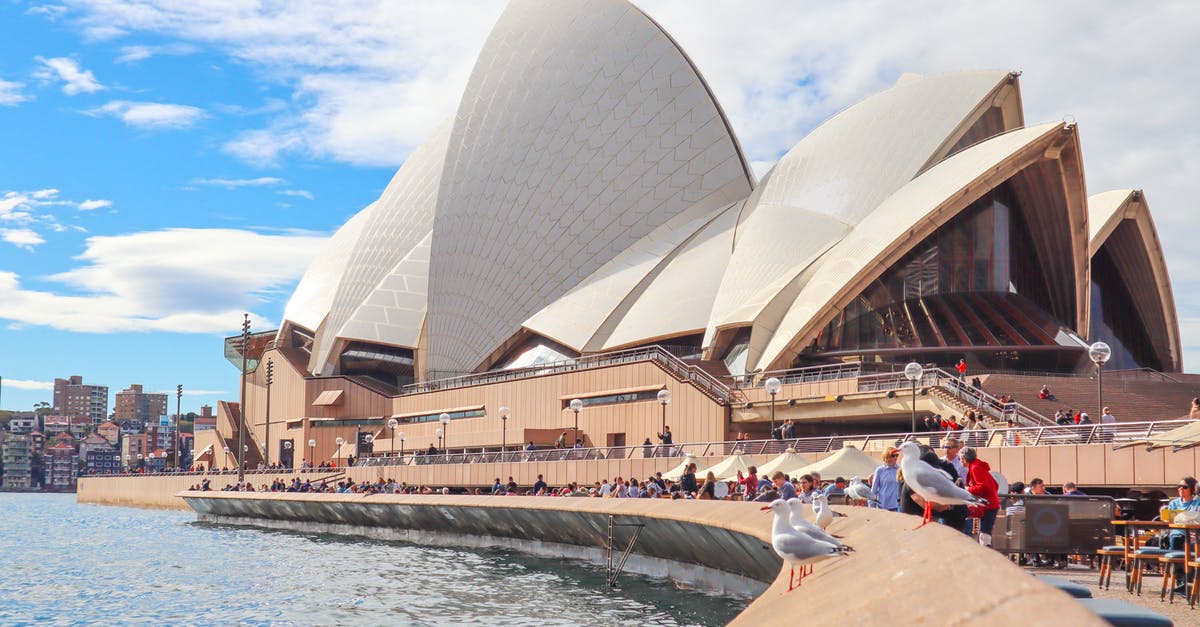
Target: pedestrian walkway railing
(957, 388)
(807, 374)
(1125, 433)
(703, 381)
(979, 438)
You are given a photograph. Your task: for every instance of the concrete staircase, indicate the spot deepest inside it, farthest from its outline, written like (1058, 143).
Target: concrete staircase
(1131, 397)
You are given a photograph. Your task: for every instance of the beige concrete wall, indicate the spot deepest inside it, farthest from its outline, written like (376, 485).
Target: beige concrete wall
(892, 573)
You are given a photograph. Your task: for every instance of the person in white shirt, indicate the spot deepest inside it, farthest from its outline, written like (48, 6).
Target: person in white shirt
(1107, 420)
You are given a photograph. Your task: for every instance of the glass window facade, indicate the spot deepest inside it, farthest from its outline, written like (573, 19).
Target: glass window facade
(390, 366)
(616, 399)
(454, 415)
(1116, 321)
(975, 282)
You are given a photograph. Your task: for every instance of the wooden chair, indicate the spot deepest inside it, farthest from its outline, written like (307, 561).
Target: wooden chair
(1194, 591)
(1108, 555)
(1168, 561)
(1139, 559)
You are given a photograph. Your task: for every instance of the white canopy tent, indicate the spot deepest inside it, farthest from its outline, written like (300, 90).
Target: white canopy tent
(785, 461)
(848, 462)
(675, 473)
(728, 468)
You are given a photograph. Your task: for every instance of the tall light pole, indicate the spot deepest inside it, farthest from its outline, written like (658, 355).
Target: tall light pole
(439, 436)
(241, 456)
(391, 423)
(227, 450)
(444, 418)
(1099, 354)
(401, 447)
(267, 440)
(339, 441)
(312, 461)
(664, 399)
(503, 411)
(913, 372)
(178, 417)
(576, 405)
(772, 387)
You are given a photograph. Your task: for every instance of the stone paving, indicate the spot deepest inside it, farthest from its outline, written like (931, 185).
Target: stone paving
(1179, 612)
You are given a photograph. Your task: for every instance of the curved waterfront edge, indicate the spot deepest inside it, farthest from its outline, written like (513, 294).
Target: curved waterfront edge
(895, 570)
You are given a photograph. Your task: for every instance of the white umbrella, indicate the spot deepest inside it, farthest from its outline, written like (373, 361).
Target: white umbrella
(848, 462)
(675, 473)
(785, 461)
(728, 468)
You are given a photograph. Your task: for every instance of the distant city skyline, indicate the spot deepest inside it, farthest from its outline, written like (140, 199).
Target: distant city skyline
(172, 167)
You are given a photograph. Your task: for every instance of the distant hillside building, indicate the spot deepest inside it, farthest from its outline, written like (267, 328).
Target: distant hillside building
(75, 425)
(73, 398)
(140, 408)
(109, 431)
(60, 466)
(16, 453)
(206, 420)
(23, 422)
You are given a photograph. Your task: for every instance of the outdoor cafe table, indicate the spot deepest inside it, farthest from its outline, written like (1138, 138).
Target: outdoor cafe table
(1188, 529)
(1131, 527)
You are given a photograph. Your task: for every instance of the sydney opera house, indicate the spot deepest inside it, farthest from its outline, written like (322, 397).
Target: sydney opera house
(586, 226)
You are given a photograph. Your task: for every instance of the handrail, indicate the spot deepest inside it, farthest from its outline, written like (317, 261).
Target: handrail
(682, 371)
(938, 378)
(1056, 435)
(805, 374)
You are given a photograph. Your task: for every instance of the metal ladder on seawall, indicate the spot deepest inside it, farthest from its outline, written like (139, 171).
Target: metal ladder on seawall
(611, 571)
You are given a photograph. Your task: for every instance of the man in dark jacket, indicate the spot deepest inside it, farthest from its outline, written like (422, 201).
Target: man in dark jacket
(954, 516)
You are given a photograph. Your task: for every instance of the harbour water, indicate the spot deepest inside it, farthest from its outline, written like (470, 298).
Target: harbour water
(66, 563)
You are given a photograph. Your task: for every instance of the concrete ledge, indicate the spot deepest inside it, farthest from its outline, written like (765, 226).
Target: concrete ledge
(932, 575)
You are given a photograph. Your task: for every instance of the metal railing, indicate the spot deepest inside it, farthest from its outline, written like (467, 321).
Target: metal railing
(980, 438)
(807, 374)
(691, 374)
(1088, 373)
(957, 388)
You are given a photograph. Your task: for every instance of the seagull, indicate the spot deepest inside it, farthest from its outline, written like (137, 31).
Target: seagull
(801, 524)
(796, 548)
(822, 514)
(860, 491)
(933, 484)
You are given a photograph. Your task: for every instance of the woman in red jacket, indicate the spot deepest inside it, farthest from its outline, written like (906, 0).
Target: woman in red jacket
(981, 483)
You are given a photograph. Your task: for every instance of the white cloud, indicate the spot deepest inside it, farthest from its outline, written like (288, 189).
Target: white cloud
(10, 93)
(26, 384)
(133, 54)
(235, 183)
(300, 193)
(92, 205)
(151, 115)
(77, 80)
(22, 238)
(179, 280)
(26, 207)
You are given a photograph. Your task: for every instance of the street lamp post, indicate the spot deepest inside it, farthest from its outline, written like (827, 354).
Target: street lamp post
(664, 399)
(287, 446)
(267, 440)
(913, 372)
(576, 405)
(504, 411)
(401, 447)
(339, 442)
(391, 423)
(178, 417)
(772, 386)
(367, 439)
(439, 437)
(227, 450)
(444, 418)
(241, 459)
(312, 461)
(1099, 354)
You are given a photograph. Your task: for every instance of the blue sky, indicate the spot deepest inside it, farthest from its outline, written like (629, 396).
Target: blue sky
(167, 166)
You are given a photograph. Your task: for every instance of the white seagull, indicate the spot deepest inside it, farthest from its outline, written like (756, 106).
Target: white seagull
(860, 491)
(933, 484)
(822, 514)
(796, 548)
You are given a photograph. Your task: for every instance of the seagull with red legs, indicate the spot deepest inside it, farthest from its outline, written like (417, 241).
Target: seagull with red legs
(932, 484)
(796, 548)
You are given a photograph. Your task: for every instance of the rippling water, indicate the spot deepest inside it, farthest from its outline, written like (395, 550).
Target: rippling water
(65, 563)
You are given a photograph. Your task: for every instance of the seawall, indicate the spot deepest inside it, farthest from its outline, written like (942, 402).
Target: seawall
(929, 576)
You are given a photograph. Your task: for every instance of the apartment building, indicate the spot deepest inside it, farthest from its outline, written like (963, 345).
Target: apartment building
(73, 398)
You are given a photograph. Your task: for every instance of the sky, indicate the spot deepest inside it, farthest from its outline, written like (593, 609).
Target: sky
(166, 166)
